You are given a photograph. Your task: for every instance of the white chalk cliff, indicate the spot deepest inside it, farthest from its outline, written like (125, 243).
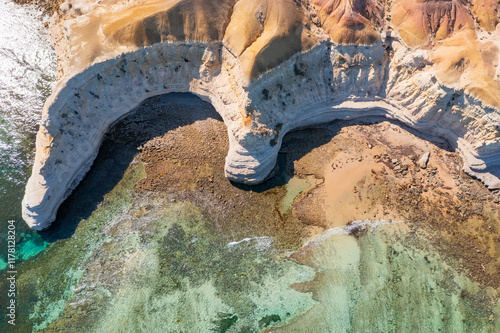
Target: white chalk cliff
(263, 81)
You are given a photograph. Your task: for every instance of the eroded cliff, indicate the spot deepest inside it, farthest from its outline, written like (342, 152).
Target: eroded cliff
(267, 67)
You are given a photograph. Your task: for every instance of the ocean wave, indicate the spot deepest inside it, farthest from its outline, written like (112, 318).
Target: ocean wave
(27, 74)
(261, 243)
(349, 229)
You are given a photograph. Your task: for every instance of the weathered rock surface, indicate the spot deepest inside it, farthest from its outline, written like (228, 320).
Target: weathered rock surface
(267, 68)
(424, 160)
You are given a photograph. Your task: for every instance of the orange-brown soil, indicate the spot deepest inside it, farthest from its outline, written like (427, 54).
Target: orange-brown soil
(350, 22)
(372, 172)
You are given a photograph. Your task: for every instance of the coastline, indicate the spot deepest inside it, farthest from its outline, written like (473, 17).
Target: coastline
(391, 185)
(48, 6)
(327, 176)
(175, 177)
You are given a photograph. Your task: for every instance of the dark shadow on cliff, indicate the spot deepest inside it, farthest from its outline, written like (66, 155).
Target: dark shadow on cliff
(154, 117)
(278, 177)
(295, 145)
(298, 143)
(131, 133)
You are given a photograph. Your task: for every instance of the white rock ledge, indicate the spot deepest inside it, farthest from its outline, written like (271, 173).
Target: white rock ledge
(329, 82)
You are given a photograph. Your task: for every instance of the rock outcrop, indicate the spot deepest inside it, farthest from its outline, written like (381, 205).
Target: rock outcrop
(267, 67)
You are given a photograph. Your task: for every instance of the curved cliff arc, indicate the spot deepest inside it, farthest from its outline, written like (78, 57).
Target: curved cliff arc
(338, 81)
(82, 108)
(333, 78)
(326, 83)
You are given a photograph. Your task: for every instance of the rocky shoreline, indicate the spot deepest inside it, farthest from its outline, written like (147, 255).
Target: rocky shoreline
(48, 6)
(459, 198)
(256, 125)
(459, 213)
(137, 224)
(260, 95)
(392, 147)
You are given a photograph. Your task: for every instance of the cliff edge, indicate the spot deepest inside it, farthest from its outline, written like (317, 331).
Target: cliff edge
(269, 67)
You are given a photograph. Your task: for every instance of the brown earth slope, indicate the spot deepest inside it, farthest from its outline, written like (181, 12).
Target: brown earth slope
(424, 21)
(350, 22)
(264, 33)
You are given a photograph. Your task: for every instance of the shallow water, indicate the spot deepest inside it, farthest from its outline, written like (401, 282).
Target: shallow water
(294, 187)
(390, 279)
(142, 262)
(27, 73)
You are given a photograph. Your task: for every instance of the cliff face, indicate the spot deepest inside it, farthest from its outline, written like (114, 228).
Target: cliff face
(267, 67)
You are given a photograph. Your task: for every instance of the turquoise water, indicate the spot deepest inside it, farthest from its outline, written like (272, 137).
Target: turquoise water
(3, 264)
(178, 275)
(27, 73)
(144, 263)
(141, 262)
(390, 279)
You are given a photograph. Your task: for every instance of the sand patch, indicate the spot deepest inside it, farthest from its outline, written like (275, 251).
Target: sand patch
(347, 183)
(331, 176)
(372, 171)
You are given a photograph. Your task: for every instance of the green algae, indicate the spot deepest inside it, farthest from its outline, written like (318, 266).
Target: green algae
(177, 275)
(49, 308)
(74, 253)
(269, 320)
(143, 262)
(136, 310)
(390, 280)
(46, 284)
(294, 187)
(224, 322)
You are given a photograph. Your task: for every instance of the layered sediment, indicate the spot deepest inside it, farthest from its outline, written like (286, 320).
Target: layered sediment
(264, 84)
